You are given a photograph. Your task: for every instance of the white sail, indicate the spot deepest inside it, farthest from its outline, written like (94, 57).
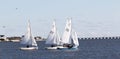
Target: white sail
(75, 38)
(53, 37)
(28, 39)
(57, 38)
(67, 33)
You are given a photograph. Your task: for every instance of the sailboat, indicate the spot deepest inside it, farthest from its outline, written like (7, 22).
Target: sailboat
(69, 39)
(53, 38)
(28, 40)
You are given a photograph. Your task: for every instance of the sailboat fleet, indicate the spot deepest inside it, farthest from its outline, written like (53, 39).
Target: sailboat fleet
(69, 39)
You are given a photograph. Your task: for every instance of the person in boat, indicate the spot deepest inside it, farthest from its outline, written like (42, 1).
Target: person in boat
(27, 46)
(53, 45)
(68, 45)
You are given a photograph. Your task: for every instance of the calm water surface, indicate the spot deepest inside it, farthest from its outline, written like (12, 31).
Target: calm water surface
(88, 49)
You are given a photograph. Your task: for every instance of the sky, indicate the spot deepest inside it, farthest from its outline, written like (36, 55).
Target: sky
(90, 18)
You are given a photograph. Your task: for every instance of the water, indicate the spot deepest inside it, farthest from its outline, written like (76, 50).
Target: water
(88, 49)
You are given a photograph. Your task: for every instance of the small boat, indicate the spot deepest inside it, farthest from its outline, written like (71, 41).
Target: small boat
(69, 39)
(53, 38)
(28, 40)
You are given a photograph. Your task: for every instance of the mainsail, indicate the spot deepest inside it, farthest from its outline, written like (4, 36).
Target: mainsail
(53, 37)
(28, 39)
(67, 33)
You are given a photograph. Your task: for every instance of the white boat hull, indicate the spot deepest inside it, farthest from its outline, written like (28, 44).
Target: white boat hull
(51, 48)
(66, 48)
(56, 47)
(30, 48)
(61, 47)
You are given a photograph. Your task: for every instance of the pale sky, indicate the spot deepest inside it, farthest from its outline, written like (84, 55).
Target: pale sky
(89, 17)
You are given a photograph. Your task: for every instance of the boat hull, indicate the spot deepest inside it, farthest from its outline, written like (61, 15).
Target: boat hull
(66, 48)
(30, 48)
(51, 48)
(61, 47)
